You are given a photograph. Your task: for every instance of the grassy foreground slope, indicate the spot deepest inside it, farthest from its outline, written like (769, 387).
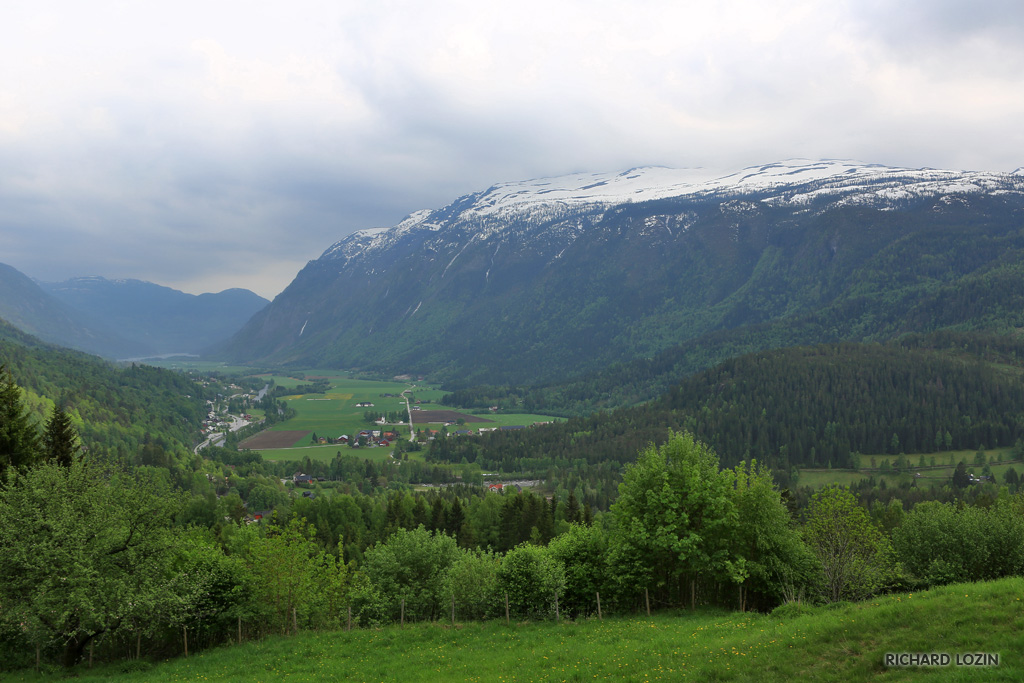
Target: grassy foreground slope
(845, 642)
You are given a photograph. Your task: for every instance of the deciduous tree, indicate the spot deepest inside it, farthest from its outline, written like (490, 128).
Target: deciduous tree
(856, 559)
(674, 517)
(82, 552)
(776, 562)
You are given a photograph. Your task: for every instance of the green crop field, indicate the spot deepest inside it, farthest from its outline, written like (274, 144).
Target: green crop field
(525, 419)
(327, 453)
(186, 364)
(336, 412)
(844, 642)
(816, 478)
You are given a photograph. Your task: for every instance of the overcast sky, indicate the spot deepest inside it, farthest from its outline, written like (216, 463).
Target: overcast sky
(224, 143)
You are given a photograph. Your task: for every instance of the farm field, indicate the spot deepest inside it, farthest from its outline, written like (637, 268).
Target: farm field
(444, 416)
(326, 453)
(843, 642)
(186, 364)
(336, 412)
(526, 419)
(942, 472)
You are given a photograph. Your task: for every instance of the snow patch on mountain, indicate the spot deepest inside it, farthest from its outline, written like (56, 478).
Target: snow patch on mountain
(565, 206)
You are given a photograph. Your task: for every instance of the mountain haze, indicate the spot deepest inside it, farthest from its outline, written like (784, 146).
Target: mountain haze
(157, 319)
(122, 318)
(27, 307)
(541, 280)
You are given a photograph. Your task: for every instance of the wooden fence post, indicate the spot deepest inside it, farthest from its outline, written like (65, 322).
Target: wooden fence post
(506, 609)
(138, 645)
(295, 621)
(239, 629)
(453, 610)
(91, 643)
(599, 618)
(556, 608)
(402, 622)
(184, 631)
(349, 627)
(647, 599)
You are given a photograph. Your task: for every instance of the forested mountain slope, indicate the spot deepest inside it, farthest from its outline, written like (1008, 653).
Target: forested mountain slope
(538, 282)
(806, 406)
(137, 415)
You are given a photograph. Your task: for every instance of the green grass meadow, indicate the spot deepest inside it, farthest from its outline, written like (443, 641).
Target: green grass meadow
(335, 413)
(940, 474)
(190, 364)
(843, 643)
(328, 452)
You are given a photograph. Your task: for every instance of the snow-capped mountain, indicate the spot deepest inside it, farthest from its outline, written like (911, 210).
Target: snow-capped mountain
(529, 280)
(796, 183)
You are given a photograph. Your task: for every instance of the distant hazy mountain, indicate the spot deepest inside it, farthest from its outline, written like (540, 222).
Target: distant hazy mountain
(544, 279)
(25, 305)
(157, 319)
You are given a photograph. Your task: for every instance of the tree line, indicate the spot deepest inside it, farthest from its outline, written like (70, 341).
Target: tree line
(98, 560)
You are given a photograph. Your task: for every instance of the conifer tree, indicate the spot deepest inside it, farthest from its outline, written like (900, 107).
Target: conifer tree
(572, 510)
(60, 440)
(19, 439)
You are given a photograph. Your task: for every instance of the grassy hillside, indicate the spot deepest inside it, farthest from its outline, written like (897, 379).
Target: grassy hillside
(844, 643)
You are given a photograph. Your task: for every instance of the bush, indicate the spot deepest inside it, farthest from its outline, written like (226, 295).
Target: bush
(533, 580)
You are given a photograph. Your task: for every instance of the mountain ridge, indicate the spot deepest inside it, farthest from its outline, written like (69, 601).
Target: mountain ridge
(122, 318)
(509, 284)
(861, 183)
(157, 319)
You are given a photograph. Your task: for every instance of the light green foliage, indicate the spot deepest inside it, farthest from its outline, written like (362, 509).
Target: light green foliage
(410, 565)
(940, 543)
(267, 496)
(295, 581)
(856, 559)
(775, 559)
(533, 580)
(674, 517)
(473, 580)
(82, 554)
(581, 551)
(836, 644)
(209, 589)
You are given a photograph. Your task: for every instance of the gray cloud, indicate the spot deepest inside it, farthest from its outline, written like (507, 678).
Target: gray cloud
(225, 145)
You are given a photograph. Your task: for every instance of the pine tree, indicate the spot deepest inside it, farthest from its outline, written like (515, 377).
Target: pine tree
(960, 477)
(19, 439)
(572, 510)
(60, 440)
